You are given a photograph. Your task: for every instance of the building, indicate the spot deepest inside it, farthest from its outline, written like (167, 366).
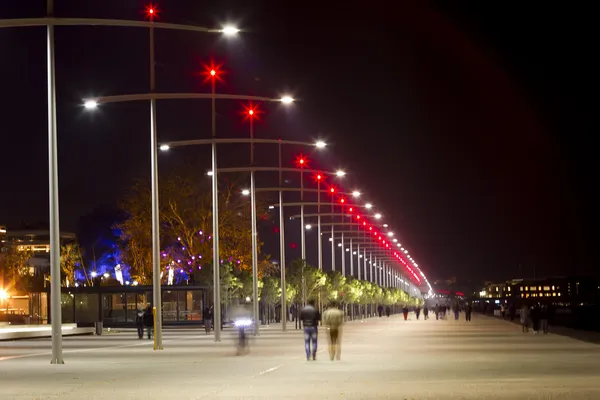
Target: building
(35, 240)
(555, 291)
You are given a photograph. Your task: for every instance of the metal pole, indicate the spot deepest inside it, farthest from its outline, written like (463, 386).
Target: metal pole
(302, 229)
(156, 288)
(333, 243)
(320, 243)
(215, 223)
(282, 247)
(254, 236)
(55, 294)
(371, 266)
(365, 262)
(351, 259)
(343, 256)
(358, 260)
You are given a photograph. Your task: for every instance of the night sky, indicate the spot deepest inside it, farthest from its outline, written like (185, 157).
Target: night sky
(465, 124)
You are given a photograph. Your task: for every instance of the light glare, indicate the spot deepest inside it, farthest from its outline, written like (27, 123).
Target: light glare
(368, 205)
(164, 147)
(230, 30)
(245, 192)
(90, 104)
(287, 100)
(320, 144)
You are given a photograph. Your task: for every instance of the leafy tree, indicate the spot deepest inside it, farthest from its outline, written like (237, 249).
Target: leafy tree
(70, 260)
(186, 225)
(14, 265)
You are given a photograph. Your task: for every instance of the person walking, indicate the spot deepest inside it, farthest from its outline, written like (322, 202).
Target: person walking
(333, 318)
(535, 319)
(468, 312)
(380, 310)
(207, 317)
(139, 322)
(502, 311)
(525, 318)
(388, 311)
(149, 320)
(544, 319)
(405, 312)
(437, 311)
(310, 317)
(456, 312)
(425, 313)
(418, 312)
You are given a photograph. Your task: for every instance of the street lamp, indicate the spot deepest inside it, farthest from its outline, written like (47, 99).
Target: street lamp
(369, 205)
(90, 104)
(245, 192)
(340, 173)
(356, 193)
(308, 227)
(230, 30)
(390, 234)
(320, 144)
(377, 216)
(287, 99)
(164, 147)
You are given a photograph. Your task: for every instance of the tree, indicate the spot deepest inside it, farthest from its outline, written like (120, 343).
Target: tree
(70, 260)
(186, 224)
(14, 265)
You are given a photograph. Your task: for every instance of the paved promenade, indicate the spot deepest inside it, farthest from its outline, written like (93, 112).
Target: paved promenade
(384, 358)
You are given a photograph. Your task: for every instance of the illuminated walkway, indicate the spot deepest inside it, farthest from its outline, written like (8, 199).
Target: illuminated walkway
(382, 358)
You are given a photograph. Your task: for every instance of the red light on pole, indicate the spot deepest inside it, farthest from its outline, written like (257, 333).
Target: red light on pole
(364, 223)
(301, 161)
(342, 200)
(212, 72)
(251, 112)
(151, 12)
(351, 209)
(358, 217)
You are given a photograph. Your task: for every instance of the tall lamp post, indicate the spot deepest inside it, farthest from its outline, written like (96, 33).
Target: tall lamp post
(251, 112)
(55, 290)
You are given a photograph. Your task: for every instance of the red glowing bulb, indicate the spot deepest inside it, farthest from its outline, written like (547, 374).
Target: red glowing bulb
(151, 12)
(358, 217)
(251, 112)
(332, 190)
(342, 201)
(212, 72)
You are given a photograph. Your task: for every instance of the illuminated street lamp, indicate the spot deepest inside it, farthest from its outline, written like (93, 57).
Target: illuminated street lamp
(356, 193)
(340, 174)
(245, 192)
(287, 100)
(230, 30)
(390, 234)
(308, 227)
(369, 205)
(378, 216)
(320, 144)
(164, 147)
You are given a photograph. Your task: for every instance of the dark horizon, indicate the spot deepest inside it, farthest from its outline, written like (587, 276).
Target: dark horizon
(466, 125)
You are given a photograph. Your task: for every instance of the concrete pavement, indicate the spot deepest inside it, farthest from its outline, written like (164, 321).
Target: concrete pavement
(385, 358)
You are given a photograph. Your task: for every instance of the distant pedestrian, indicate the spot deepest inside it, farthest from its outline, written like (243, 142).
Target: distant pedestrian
(512, 312)
(310, 318)
(149, 321)
(544, 319)
(437, 311)
(139, 322)
(333, 318)
(456, 312)
(535, 319)
(405, 312)
(380, 310)
(425, 312)
(468, 312)
(207, 317)
(525, 318)
(388, 311)
(502, 311)
(417, 312)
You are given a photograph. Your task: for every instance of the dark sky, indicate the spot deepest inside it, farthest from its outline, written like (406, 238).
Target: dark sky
(466, 123)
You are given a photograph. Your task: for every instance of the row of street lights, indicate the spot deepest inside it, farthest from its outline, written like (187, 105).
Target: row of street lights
(50, 22)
